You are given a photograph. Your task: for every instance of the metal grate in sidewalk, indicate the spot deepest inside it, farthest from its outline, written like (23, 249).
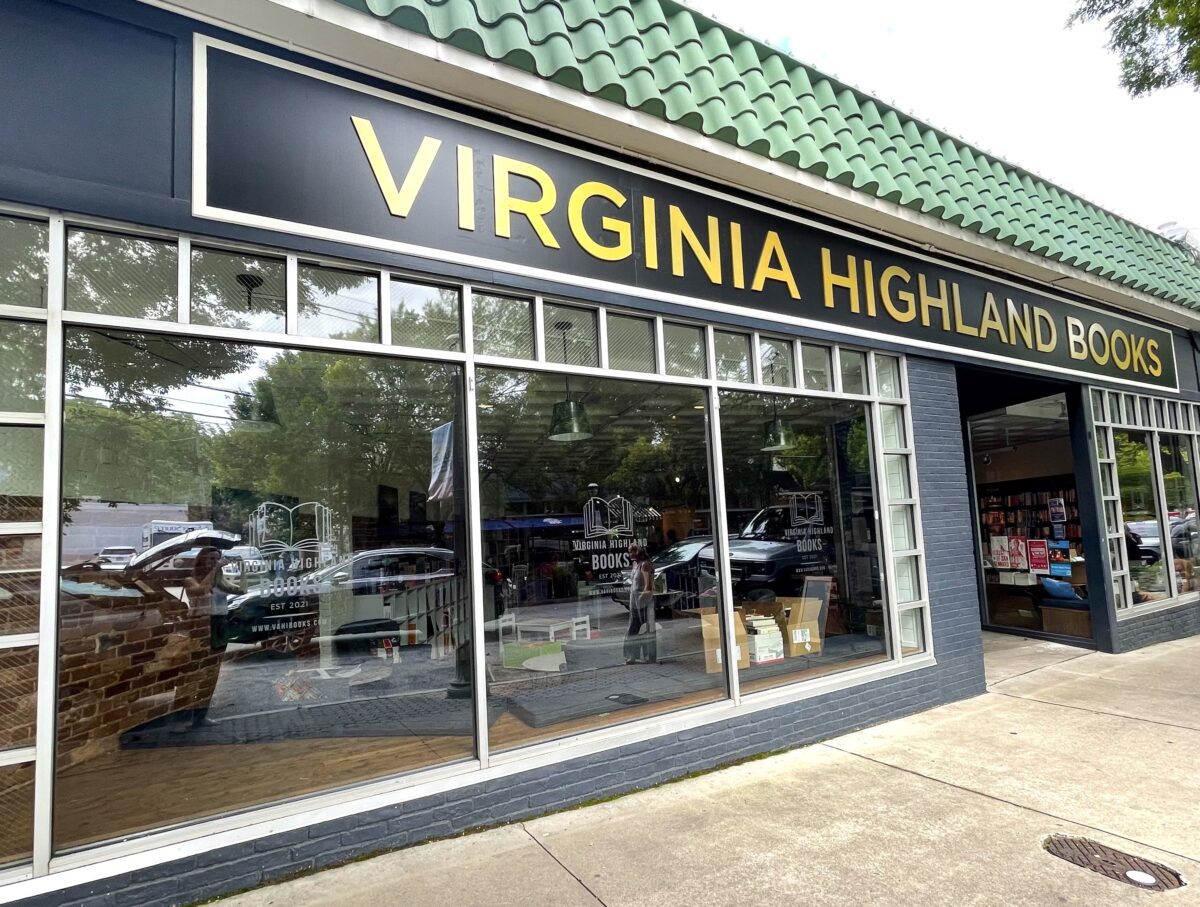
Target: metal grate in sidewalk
(1115, 864)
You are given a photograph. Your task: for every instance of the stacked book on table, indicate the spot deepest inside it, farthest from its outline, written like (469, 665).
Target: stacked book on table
(764, 638)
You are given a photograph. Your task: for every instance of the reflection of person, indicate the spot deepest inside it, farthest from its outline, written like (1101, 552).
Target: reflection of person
(1133, 545)
(640, 638)
(208, 604)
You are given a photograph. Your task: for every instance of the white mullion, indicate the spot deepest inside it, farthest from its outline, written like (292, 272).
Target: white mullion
(183, 291)
(22, 418)
(47, 679)
(720, 529)
(756, 359)
(1166, 555)
(883, 523)
(797, 363)
(475, 535)
(835, 366)
(18, 756)
(385, 307)
(33, 527)
(292, 295)
(660, 346)
(19, 640)
(602, 336)
(539, 329)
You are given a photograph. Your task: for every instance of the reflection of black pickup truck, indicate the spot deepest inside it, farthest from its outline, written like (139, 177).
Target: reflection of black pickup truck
(772, 554)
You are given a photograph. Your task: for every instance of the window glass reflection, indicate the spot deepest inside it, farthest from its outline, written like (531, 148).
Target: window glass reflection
(503, 326)
(775, 360)
(1143, 523)
(338, 303)
(20, 474)
(23, 254)
(684, 350)
(238, 291)
(1179, 483)
(20, 579)
(425, 316)
(805, 565)
(733, 356)
(593, 634)
(18, 702)
(294, 614)
(128, 276)
(22, 367)
(16, 813)
(571, 335)
(630, 343)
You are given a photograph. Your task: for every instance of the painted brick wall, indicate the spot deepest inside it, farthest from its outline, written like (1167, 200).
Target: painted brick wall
(959, 674)
(1161, 626)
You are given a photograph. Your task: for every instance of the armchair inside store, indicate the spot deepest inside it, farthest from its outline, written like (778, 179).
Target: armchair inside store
(1029, 531)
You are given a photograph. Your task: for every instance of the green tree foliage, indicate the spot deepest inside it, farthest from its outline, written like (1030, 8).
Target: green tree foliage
(1158, 41)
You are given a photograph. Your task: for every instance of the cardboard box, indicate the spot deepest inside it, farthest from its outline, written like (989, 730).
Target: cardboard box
(710, 628)
(802, 630)
(874, 623)
(766, 648)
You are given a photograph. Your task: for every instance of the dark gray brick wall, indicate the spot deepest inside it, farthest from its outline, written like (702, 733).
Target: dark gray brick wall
(1161, 626)
(958, 674)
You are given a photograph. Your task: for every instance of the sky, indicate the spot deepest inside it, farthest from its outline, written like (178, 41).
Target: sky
(1009, 78)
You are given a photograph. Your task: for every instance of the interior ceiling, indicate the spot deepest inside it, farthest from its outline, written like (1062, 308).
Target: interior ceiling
(1044, 419)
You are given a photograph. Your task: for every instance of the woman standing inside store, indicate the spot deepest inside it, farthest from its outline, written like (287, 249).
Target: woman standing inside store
(641, 638)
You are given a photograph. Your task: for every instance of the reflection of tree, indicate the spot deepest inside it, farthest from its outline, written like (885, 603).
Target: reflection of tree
(121, 275)
(135, 372)
(1133, 474)
(23, 277)
(143, 457)
(425, 316)
(334, 428)
(23, 353)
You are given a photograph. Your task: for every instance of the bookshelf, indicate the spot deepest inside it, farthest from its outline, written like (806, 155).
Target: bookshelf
(1022, 507)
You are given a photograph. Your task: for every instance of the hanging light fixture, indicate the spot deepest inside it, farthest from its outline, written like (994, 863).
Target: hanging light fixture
(249, 282)
(776, 436)
(569, 419)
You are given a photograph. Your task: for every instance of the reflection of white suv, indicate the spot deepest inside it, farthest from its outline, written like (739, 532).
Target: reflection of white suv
(115, 556)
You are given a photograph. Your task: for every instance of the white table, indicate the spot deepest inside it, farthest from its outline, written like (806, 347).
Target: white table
(551, 627)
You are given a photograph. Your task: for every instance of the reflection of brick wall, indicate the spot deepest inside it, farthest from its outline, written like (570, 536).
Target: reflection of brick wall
(125, 662)
(18, 696)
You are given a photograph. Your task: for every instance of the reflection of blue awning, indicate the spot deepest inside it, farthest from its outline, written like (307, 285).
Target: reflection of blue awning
(532, 522)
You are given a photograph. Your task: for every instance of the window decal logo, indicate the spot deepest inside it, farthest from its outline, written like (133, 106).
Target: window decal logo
(608, 519)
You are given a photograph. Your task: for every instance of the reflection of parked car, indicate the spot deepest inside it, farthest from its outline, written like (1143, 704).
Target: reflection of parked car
(115, 557)
(1185, 540)
(765, 556)
(404, 593)
(680, 566)
(244, 561)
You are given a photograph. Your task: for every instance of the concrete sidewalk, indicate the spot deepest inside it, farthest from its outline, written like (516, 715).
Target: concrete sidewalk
(949, 806)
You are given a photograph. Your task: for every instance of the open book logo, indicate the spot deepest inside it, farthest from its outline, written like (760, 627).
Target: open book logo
(301, 535)
(807, 508)
(608, 519)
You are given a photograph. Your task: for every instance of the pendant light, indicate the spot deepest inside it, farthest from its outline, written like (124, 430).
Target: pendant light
(249, 282)
(776, 436)
(569, 420)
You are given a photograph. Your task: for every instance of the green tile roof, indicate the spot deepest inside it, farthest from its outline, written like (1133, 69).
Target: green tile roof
(668, 61)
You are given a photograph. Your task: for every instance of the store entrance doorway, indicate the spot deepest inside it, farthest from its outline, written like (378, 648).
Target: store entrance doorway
(1028, 530)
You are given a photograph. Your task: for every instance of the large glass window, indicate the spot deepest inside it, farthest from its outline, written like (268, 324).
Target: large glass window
(238, 291)
(1179, 485)
(23, 252)
(1143, 523)
(577, 475)
(127, 276)
(264, 589)
(805, 565)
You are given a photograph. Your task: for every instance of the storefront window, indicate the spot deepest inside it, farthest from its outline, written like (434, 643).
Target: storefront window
(23, 245)
(126, 276)
(817, 371)
(503, 326)
(733, 356)
(238, 291)
(775, 360)
(339, 303)
(1179, 484)
(805, 567)
(630, 343)
(1143, 522)
(425, 316)
(22, 367)
(16, 813)
(20, 473)
(18, 706)
(264, 589)
(685, 352)
(571, 336)
(20, 573)
(854, 371)
(575, 646)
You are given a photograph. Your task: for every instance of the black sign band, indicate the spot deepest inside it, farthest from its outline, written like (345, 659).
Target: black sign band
(302, 151)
